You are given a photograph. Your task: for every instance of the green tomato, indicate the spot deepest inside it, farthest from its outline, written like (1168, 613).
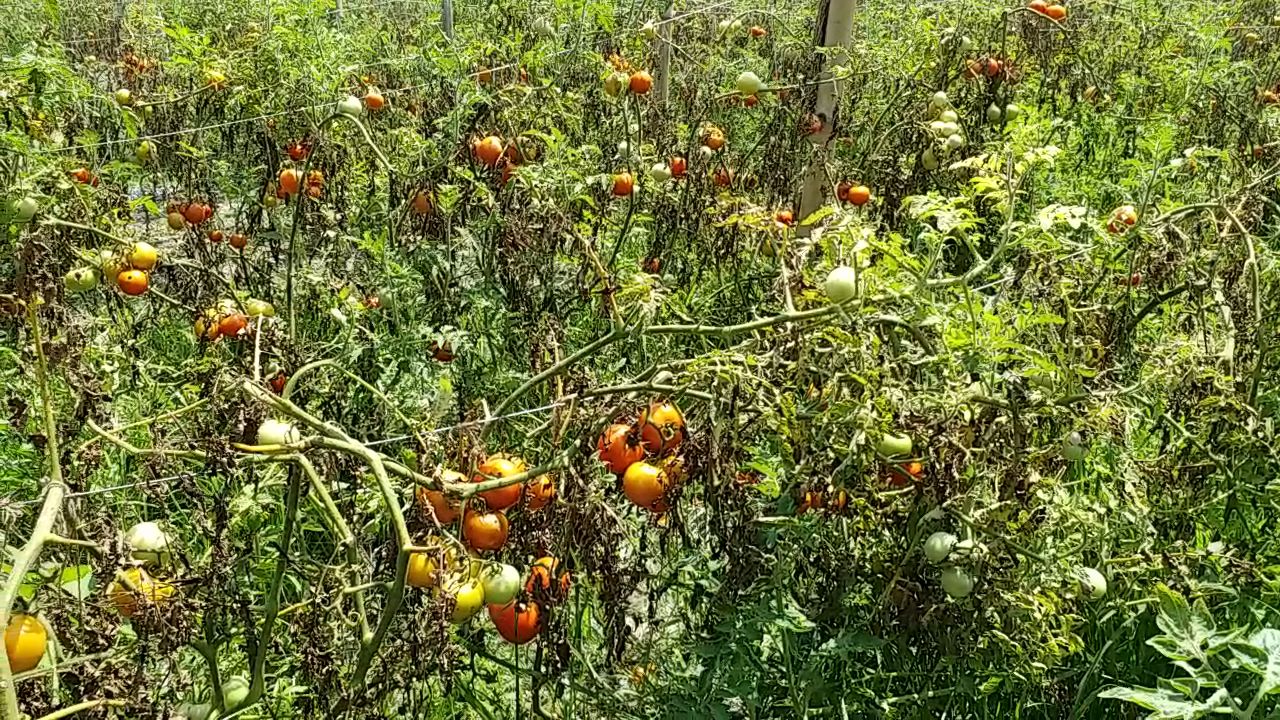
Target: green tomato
(841, 284)
(929, 160)
(956, 582)
(144, 151)
(938, 546)
(501, 583)
(234, 692)
(124, 97)
(254, 307)
(1012, 112)
(894, 445)
(994, 113)
(80, 280)
(1073, 448)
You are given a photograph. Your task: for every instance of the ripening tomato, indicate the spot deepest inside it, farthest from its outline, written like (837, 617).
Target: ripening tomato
(143, 256)
(1126, 214)
(298, 151)
(485, 530)
(315, 178)
(498, 466)
(992, 67)
(424, 568)
(82, 176)
(484, 75)
(713, 137)
(314, 191)
(175, 220)
(540, 492)
(679, 166)
(435, 501)
(238, 240)
(640, 83)
(1057, 12)
(132, 282)
(141, 590)
(623, 184)
(542, 573)
(488, 150)
(517, 622)
(757, 31)
(645, 485)
(1038, 6)
(751, 100)
(661, 428)
(722, 177)
(233, 324)
(813, 500)
(215, 235)
(373, 100)
(290, 181)
(24, 642)
(619, 447)
(785, 218)
(421, 203)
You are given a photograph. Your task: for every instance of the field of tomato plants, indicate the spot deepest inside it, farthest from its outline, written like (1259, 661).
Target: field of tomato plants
(672, 359)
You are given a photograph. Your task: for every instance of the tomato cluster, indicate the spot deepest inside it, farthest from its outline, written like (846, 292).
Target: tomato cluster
(623, 448)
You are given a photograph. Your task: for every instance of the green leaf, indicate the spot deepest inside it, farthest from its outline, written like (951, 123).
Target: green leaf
(1261, 656)
(1166, 704)
(77, 581)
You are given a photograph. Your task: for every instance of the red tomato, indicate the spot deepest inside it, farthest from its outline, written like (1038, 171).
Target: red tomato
(498, 466)
(517, 622)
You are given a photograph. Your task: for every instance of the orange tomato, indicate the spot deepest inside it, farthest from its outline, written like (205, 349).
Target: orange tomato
(1038, 6)
(315, 178)
(290, 181)
(132, 282)
(435, 501)
(239, 240)
(858, 195)
(488, 150)
(485, 531)
(1057, 12)
(540, 492)
(758, 32)
(233, 324)
(1126, 214)
(813, 500)
(82, 175)
(24, 641)
(713, 137)
(517, 622)
(785, 218)
(645, 485)
(623, 184)
(661, 428)
(215, 235)
(498, 466)
(421, 203)
(374, 101)
(641, 81)
(993, 66)
(545, 570)
(618, 447)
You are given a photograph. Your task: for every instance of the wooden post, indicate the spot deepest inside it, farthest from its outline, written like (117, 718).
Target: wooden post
(664, 57)
(834, 30)
(446, 17)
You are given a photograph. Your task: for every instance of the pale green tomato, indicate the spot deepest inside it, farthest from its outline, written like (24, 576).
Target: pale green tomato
(1012, 112)
(276, 432)
(25, 209)
(940, 100)
(994, 113)
(124, 97)
(80, 280)
(351, 107)
(748, 83)
(956, 582)
(949, 116)
(254, 307)
(1073, 448)
(1093, 584)
(660, 173)
(938, 546)
(234, 692)
(501, 583)
(148, 544)
(929, 160)
(841, 284)
(955, 142)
